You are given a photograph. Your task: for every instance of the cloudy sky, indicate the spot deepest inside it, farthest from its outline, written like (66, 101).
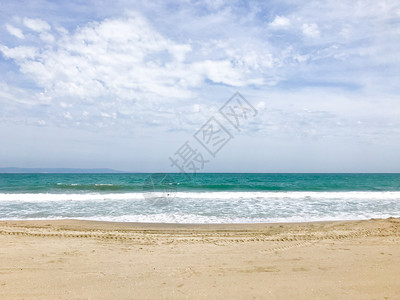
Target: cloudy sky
(124, 84)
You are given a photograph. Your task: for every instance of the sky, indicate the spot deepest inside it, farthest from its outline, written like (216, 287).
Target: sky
(129, 84)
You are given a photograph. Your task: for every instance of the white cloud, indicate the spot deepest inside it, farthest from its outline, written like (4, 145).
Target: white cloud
(67, 115)
(119, 58)
(260, 105)
(139, 72)
(37, 25)
(311, 30)
(127, 76)
(280, 22)
(345, 32)
(47, 37)
(114, 72)
(15, 31)
(20, 53)
(126, 59)
(196, 108)
(214, 4)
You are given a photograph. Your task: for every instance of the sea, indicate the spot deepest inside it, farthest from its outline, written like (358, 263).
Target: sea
(201, 198)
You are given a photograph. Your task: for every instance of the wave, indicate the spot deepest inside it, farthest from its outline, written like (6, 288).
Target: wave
(93, 187)
(199, 219)
(48, 197)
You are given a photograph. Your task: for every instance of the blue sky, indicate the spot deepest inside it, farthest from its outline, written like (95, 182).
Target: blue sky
(123, 84)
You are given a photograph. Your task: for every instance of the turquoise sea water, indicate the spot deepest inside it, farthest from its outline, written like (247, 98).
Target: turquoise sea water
(204, 198)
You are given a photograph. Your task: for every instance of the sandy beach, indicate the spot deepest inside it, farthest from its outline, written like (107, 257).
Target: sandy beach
(74, 259)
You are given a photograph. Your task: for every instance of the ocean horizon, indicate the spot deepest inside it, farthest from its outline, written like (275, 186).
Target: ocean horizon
(203, 198)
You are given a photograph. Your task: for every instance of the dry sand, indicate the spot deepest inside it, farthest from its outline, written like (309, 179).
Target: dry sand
(97, 260)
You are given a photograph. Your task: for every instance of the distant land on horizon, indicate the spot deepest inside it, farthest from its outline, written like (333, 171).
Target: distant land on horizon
(57, 170)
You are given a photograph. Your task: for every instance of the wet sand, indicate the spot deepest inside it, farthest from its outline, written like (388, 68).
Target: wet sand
(74, 259)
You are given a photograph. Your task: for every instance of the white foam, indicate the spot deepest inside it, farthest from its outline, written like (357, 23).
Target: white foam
(293, 195)
(198, 219)
(48, 197)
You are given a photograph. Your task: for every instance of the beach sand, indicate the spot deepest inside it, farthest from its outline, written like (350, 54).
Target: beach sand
(98, 260)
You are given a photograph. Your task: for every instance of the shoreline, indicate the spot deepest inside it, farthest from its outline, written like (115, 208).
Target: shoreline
(67, 259)
(97, 223)
(157, 224)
